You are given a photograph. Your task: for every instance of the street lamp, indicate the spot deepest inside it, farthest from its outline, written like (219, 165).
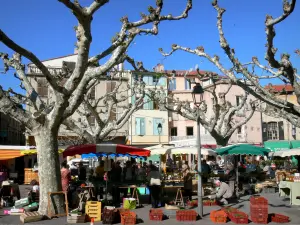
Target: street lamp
(159, 129)
(197, 94)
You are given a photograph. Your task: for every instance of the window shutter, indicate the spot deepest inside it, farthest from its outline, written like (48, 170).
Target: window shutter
(137, 126)
(133, 99)
(146, 102)
(185, 84)
(264, 131)
(162, 81)
(281, 130)
(150, 80)
(151, 105)
(113, 85)
(174, 83)
(146, 80)
(108, 86)
(142, 126)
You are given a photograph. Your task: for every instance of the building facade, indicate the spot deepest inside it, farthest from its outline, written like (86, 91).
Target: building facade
(11, 131)
(149, 125)
(276, 130)
(67, 137)
(184, 131)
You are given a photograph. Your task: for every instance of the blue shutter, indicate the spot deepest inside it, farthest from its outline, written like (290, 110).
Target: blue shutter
(150, 80)
(142, 126)
(162, 81)
(146, 80)
(146, 102)
(174, 83)
(133, 99)
(151, 105)
(138, 126)
(185, 84)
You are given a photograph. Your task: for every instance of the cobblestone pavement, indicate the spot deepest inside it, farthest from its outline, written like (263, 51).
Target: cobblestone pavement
(276, 205)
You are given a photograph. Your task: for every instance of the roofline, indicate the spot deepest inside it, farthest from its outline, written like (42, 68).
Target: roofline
(59, 57)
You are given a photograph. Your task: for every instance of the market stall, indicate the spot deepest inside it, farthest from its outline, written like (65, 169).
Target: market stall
(242, 149)
(105, 149)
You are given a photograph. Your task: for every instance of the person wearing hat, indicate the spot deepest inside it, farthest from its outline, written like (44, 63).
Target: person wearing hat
(224, 193)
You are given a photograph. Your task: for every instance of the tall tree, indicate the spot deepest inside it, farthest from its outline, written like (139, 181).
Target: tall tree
(280, 69)
(45, 119)
(223, 118)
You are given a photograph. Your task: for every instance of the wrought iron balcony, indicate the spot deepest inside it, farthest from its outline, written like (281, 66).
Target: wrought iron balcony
(180, 138)
(33, 70)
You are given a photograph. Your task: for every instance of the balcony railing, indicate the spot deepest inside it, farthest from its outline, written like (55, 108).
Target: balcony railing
(241, 138)
(36, 71)
(180, 138)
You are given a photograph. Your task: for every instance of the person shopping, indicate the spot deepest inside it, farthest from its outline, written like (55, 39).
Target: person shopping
(154, 179)
(224, 193)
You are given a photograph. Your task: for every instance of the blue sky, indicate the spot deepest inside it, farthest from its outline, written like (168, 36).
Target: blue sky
(46, 29)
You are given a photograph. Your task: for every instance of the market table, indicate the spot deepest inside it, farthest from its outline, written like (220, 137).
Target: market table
(291, 190)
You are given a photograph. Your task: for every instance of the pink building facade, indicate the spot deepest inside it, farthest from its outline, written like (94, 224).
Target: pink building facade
(183, 131)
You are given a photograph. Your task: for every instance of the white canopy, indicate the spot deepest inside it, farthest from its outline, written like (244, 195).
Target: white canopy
(192, 150)
(170, 149)
(285, 153)
(159, 149)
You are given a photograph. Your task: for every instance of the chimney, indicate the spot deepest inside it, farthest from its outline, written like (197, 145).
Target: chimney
(159, 68)
(121, 67)
(76, 50)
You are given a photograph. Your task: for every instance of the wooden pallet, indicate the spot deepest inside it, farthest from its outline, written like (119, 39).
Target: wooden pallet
(29, 217)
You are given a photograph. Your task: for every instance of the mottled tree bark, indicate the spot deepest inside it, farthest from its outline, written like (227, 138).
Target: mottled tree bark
(49, 168)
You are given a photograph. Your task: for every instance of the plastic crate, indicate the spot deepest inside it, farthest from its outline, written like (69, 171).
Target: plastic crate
(186, 215)
(218, 216)
(156, 214)
(259, 210)
(259, 219)
(239, 217)
(122, 211)
(229, 210)
(278, 218)
(206, 203)
(128, 218)
(213, 203)
(257, 200)
(93, 210)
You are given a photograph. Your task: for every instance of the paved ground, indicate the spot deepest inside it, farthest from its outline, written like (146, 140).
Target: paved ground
(276, 205)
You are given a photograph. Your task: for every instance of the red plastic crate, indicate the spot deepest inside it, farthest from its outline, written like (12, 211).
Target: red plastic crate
(213, 202)
(259, 210)
(218, 216)
(259, 219)
(128, 218)
(254, 200)
(278, 218)
(156, 214)
(239, 217)
(186, 215)
(206, 203)
(228, 210)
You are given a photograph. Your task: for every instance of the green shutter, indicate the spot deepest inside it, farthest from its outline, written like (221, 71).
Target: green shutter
(133, 99)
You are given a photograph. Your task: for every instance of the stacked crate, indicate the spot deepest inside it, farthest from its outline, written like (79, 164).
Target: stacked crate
(259, 210)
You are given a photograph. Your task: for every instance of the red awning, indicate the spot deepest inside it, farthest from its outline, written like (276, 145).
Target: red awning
(105, 148)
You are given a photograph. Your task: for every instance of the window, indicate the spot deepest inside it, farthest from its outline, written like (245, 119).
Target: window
(162, 81)
(148, 80)
(189, 131)
(110, 86)
(155, 105)
(238, 100)
(42, 87)
(272, 131)
(139, 126)
(155, 80)
(172, 84)
(156, 121)
(187, 84)
(92, 93)
(174, 131)
(239, 130)
(91, 120)
(113, 115)
(148, 104)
